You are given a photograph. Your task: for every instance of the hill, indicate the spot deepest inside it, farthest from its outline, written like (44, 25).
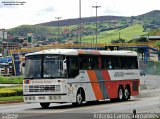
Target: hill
(126, 33)
(109, 28)
(69, 22)
(150, 20)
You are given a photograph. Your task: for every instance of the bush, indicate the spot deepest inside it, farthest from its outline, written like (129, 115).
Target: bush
(6, 93)
(11, 91)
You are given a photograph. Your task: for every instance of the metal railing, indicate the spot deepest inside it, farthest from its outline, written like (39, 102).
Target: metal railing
(83, 45)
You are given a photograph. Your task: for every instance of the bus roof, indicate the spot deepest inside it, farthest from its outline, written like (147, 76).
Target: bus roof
(82, 51)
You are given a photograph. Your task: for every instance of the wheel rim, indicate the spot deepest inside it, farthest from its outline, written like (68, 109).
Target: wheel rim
(79, 98)
(120, 94)
(126, 94)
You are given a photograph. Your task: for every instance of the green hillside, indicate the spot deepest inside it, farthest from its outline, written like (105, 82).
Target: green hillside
(109, 28)
(126, 33)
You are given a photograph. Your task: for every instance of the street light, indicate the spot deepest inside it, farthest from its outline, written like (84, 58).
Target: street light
(80, 23)
(96, 6)
(58, 24)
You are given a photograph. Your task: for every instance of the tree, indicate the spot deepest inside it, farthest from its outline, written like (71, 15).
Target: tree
(142, 39)
(118, 41)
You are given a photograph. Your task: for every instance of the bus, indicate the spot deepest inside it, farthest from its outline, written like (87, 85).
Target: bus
(77, 76)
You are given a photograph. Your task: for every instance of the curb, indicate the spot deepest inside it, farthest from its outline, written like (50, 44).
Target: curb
(9, 102)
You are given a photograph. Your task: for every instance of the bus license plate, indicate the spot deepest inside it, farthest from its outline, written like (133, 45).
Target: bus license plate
(41, 97)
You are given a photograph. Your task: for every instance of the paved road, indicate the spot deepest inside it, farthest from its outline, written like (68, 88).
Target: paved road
(147, 102)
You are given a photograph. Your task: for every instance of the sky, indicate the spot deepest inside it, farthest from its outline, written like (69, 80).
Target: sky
(40, 11)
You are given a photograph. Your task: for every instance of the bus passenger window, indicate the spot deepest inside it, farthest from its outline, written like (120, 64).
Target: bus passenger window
(94, 62)
(84, 62)
(73, 68)
(109, 65)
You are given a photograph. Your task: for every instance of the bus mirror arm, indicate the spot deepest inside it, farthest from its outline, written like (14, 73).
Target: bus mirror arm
(64, 66)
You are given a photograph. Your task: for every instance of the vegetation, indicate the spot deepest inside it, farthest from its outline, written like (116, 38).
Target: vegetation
(11, 91)
(126, 33)
(157, 43)
(8, 93)
(12, 98)
(11, 80)
(109, 28)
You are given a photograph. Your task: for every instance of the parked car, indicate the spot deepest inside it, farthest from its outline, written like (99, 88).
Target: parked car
(142, 73)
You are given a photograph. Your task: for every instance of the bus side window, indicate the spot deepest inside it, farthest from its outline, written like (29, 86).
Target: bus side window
(109, 65)
(73, 68)
(84, 62)
(94, 62)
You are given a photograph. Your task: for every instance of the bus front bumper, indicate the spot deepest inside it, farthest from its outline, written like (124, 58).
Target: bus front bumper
(57, 98)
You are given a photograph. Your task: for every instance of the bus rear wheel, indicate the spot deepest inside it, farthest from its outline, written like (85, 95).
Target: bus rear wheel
(120, 93)
(127, 93)
(45, 105)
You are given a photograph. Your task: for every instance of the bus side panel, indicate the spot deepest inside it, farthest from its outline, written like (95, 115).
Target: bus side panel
(135, 87)
(112, 87)
(83, 81)
(96, 85)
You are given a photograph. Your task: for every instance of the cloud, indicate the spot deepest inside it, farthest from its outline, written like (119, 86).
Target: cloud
(49, 9)
(39, 11)
(45, 11)
(110, 11)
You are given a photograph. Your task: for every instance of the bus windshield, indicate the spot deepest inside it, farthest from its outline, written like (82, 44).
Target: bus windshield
(44, 66)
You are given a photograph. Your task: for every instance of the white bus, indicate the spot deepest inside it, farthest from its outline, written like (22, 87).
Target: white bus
(76, 76)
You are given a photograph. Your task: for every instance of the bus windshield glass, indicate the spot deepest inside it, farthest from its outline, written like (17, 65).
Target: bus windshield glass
(53, 66)
(33, 66)
(44, 66)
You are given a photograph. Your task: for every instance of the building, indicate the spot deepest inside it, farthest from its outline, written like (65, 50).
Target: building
(3, 34)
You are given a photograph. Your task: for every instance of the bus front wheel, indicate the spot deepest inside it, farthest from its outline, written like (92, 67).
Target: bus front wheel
(45, 105)
(80, 97)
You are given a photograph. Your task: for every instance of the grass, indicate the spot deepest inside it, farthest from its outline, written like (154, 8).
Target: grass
(11, 80)
(12, 98)
(126, 33)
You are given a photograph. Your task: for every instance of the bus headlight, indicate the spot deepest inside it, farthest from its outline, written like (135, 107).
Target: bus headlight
(50, 98)
(54, 97)
(29, 97)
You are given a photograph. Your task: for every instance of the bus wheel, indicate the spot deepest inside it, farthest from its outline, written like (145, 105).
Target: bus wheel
(80, 97)
(126, 93)
(45, 105)
(120, 94)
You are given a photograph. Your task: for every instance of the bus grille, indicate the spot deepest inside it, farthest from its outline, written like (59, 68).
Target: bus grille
(44, 88)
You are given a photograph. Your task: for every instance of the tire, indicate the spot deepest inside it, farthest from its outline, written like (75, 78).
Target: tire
(79, 98)
(120, 94)
(127, 94)
(44, 105)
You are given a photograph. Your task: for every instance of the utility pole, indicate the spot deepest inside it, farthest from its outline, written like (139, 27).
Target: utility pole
(80, 23)
(96, 6)
(58, 18)
(119, 35)
(34, 33)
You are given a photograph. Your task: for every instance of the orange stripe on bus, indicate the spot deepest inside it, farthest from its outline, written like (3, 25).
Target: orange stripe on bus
(81, 52)
(95, 84)
(95, 52)
(105, 75)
